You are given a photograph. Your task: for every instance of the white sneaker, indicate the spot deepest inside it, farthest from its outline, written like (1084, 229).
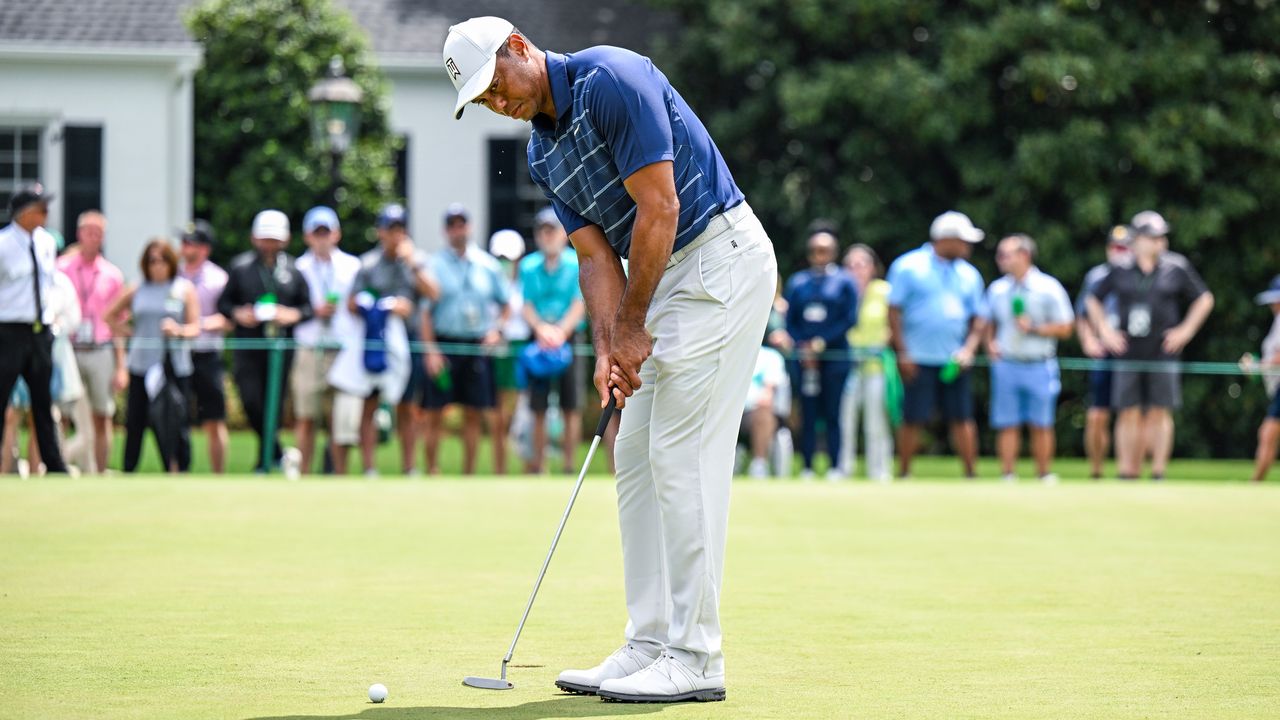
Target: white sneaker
(666, 680)
(1049, 478)
(807, 475)
(835, 475)
(624, 661)
(291, 463)
(758, 469)
(1010, 478)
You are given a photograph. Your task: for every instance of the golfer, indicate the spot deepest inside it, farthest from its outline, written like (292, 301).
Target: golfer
(633, 174)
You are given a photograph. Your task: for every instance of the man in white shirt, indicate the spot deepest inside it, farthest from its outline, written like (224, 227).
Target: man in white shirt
(28, 261)
(330, 273)
(768, 405)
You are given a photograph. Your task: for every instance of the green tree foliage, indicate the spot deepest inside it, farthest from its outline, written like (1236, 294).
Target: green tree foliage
(252, 118)
(1057, 118)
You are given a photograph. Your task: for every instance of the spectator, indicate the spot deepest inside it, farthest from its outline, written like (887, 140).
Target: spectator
(553, 307)
(164, 310)
(1268, 365)
(65, 386)
(1151, 328)
(467, 317)
(936, 323)
(865, 387)
(100, 360)
(28, 263)
(265, 297)
(508, 247)
(1029, 313)
(822, 305)
(207, 388)
(1097, 424)
(330, 273)
(767, 410)
(395, 275)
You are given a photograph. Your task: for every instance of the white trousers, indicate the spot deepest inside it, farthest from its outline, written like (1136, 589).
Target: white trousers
(865, 391)
(676, 440)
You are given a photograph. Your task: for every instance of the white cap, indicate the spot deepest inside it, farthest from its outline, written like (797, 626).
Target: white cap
(471, 54)
(952, 224)
(507, 244)
(271, 225)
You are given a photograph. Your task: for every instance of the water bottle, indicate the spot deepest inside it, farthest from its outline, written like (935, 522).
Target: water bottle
(1019, 306)
(950, 371)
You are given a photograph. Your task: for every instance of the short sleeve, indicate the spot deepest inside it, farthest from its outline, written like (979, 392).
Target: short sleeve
(1102, 287)
(628, 107)
(1063, 311)
(899, 285)
(1193, 286)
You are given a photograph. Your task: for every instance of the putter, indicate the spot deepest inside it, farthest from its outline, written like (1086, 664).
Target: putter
(501, 682)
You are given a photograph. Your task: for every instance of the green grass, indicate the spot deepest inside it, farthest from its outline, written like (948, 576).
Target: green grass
(191, 598)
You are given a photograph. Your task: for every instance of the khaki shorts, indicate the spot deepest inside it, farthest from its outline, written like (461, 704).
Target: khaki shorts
(97, 367)
(309, 382)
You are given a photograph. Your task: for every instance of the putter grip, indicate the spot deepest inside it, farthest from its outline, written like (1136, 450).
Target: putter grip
(606, 414)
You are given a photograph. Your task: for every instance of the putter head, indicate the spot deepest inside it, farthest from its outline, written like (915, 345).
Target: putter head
(487, 683)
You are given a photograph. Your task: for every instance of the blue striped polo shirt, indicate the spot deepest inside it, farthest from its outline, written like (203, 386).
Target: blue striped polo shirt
(617, 113)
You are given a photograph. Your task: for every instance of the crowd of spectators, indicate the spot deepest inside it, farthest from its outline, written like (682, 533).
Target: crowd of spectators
(853, 357)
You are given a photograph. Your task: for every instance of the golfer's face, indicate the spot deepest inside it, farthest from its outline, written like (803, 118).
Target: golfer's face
(514, 91)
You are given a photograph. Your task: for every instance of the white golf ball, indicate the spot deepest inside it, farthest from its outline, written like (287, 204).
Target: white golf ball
(377, 692)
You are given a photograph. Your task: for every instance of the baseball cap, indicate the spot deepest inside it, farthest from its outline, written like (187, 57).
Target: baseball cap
(507, 244)
(26, 197)
(320, 216)
(1149, 223)
(271, 225)
(952, 224)
(547, 216)
(471, 54)
(393, 214)
(1120, 235)
(1271, 294)
(455, 210)
(198, 232)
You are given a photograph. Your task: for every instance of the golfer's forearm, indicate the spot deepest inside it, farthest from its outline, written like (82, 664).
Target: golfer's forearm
(603, 284)
(652, 238)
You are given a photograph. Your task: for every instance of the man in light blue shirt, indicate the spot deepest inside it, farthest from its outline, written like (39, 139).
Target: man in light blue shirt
(936, 317)
(467, 320)
(1029, 312)
(554, 309)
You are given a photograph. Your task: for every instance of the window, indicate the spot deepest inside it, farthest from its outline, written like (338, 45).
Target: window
(19, 162)
(513, 197)
(82, 174)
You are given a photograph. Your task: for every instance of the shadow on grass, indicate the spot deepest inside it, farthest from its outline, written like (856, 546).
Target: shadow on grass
(568, 706)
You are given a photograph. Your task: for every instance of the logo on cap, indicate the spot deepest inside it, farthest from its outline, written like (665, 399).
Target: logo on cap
(452, 67)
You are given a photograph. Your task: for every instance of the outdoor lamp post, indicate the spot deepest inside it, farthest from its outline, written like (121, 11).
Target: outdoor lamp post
(335, 118)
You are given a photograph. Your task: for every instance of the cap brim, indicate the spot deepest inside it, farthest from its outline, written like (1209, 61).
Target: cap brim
(1268, 297)
(475, 86)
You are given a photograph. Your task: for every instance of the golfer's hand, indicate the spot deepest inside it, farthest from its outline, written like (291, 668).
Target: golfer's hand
(286, 316)
(601, 380)
(1024, 324)
(402, 308)
(1176, 338)
(1248, 364)
(630, 348)
(492, 338)
(244, 316)
(907, 367)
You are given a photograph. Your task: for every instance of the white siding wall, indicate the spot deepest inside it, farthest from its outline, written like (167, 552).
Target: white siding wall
(448, 159)
(144, 109)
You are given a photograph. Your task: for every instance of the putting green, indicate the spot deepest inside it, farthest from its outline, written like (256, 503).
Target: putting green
(257, 598)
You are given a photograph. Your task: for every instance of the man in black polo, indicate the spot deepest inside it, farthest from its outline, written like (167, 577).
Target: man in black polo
(1150, 297)
(28, 255)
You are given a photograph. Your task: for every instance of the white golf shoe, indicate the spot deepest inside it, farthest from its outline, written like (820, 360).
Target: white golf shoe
(667, 680)
(624, 661)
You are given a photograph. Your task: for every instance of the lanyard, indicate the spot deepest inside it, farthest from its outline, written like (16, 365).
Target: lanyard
(84, 293)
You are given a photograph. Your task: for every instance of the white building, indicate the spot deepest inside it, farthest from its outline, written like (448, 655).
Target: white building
(96, 102)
